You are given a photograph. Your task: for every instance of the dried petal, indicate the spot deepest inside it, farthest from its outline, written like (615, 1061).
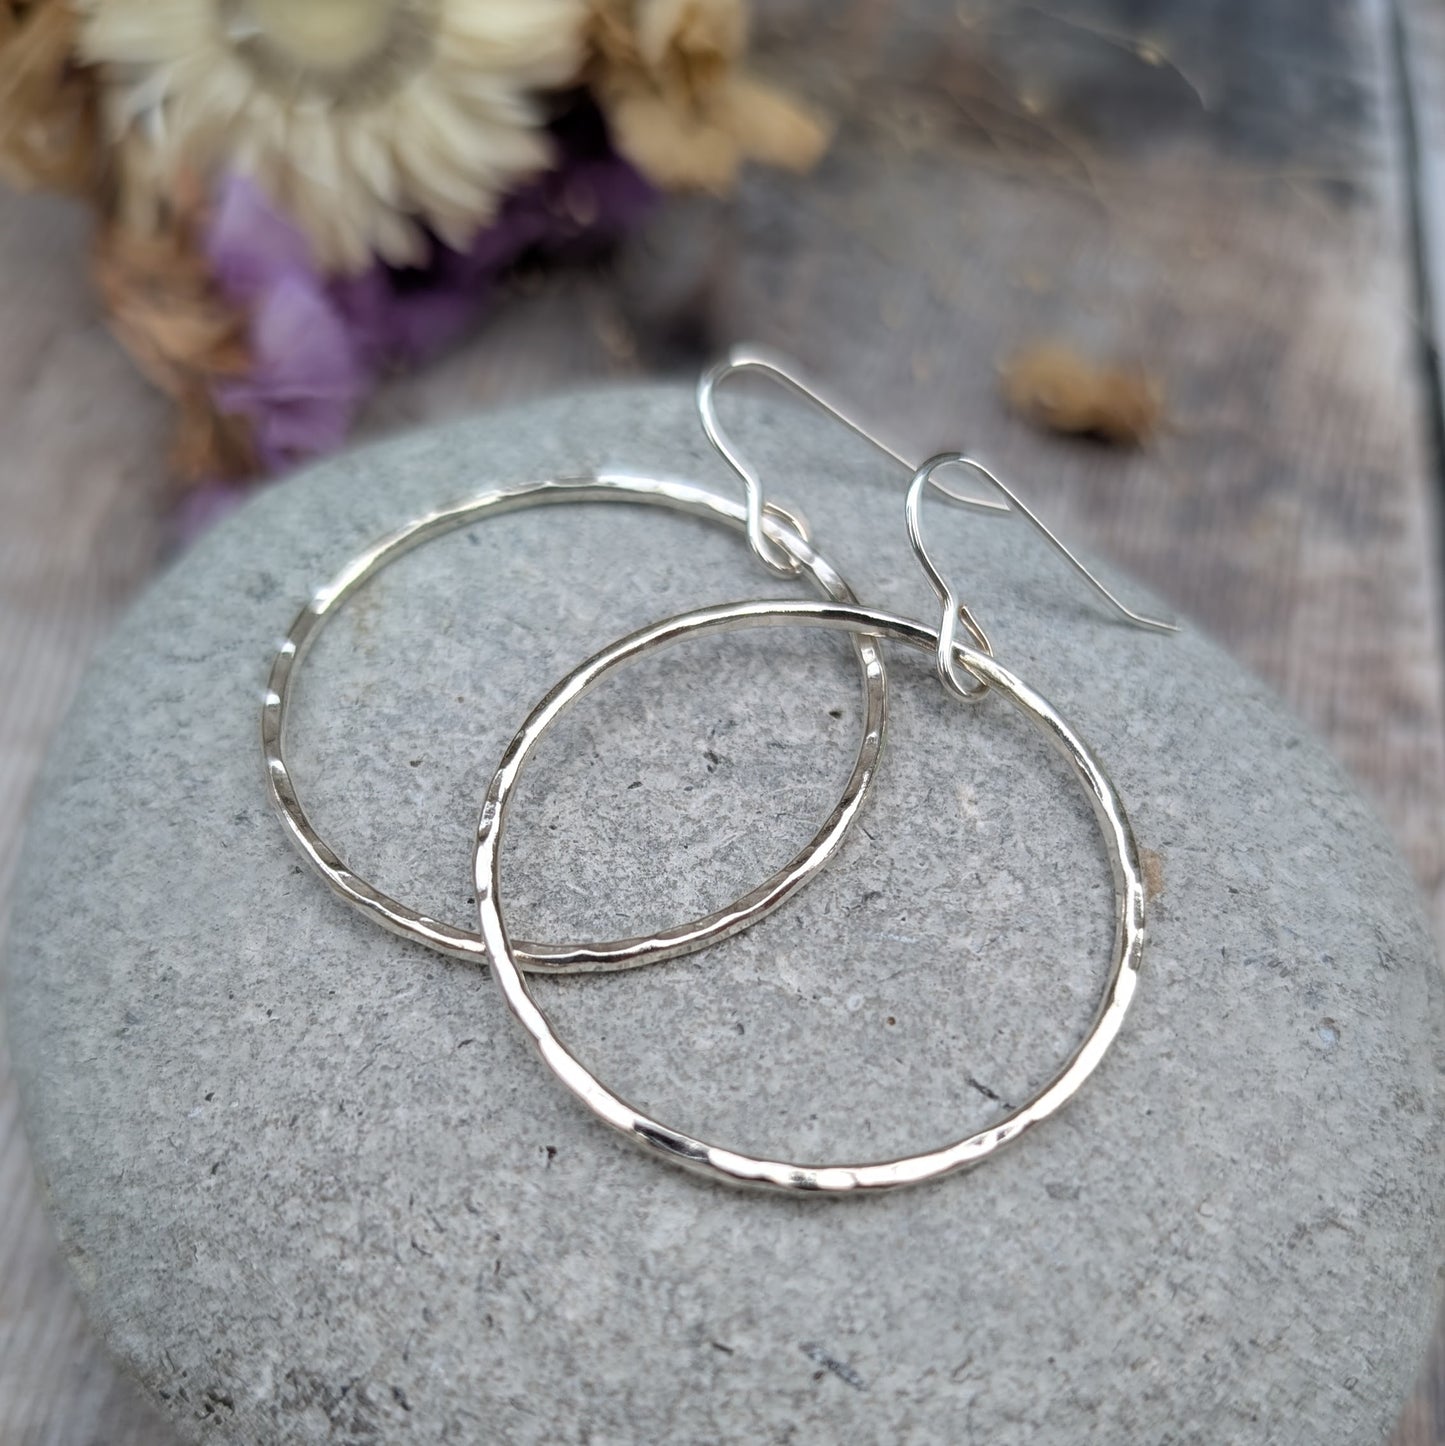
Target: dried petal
(772, 127)
(666, 74)
(426, 114)
(164, 307)
(1053, 387)
(47, 101)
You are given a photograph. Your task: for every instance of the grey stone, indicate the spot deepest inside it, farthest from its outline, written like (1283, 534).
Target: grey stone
(315, 1187)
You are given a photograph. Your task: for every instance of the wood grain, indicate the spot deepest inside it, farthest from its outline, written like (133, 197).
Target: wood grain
(79, 485)
(1420, 42)
(1214, 190)
(1420, 39)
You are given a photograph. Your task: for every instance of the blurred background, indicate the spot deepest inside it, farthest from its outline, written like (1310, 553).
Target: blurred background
(1178, 264)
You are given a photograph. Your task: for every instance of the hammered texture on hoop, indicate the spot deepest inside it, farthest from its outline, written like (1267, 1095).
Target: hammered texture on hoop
(400, 918)
(729, 1165)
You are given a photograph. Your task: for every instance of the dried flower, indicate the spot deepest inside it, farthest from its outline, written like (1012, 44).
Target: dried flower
(318, 343)
(667, 74)
(403, 315)
(166, 310)
(1055, 388)
(306, 379)
(47, 103)
(368, 121)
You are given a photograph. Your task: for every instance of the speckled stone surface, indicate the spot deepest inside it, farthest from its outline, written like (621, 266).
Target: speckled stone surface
(315, 1187)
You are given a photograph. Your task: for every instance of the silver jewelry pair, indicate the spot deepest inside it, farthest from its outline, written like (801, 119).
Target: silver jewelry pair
(965, 665)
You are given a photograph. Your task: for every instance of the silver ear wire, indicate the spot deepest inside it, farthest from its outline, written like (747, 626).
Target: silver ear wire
(786, 374)
(954, 611)
(945, 663)
(769, 526)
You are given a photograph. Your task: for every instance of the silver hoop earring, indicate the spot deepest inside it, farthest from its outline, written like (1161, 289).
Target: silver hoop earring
(981, 674)
(784, 530)
(730, 1165)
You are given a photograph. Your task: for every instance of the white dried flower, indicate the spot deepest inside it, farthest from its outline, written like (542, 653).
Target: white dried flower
(363, 119)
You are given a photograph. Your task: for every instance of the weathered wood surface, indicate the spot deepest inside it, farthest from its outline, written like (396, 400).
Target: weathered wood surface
(1217, 190)
(78, 534)
(1421, 38)
(1420, 42)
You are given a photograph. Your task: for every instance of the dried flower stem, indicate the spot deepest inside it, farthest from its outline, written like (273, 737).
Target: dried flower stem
(165, 309)
(47, 102)
(668, 75)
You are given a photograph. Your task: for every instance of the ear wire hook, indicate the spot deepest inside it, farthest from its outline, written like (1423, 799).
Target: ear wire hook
(956, 612)
(778, 369)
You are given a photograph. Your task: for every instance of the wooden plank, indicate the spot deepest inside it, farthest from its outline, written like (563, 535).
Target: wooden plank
(1421, 45)
(79, 495)
(1420, 53)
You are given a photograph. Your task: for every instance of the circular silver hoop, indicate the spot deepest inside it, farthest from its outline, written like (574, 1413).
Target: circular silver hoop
(729, 1165)
(564, 958)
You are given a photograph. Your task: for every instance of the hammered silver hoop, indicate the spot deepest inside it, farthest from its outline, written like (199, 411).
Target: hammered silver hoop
(399, 918)
(729, 1165)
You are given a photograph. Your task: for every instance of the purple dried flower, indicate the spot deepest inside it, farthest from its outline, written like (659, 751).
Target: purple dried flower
(403, 315)
(318, 343)
(306, 378)
(251, 245)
